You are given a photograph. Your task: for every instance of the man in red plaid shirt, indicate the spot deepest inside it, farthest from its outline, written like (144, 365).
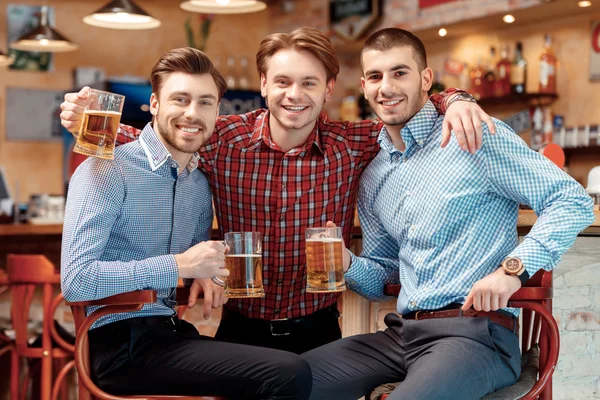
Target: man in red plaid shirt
(285, 169)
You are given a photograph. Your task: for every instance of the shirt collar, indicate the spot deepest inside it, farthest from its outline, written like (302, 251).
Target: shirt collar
(262, 133)
(156, 151)
(417, 130)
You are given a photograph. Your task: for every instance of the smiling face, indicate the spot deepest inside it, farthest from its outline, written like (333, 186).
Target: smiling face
(394, 85)
(295, 87)
(185, 111)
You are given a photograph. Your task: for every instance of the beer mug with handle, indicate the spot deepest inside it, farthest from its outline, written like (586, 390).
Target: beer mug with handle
(99, 126)
(243, 259)
(324, 260)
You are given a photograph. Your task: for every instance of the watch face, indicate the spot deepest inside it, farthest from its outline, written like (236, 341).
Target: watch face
(513, 264)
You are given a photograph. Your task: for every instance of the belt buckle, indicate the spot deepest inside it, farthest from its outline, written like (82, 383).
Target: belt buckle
(417, 313)
(272, 329)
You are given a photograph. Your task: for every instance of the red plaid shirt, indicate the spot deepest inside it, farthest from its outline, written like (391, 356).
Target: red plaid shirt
(259, 187)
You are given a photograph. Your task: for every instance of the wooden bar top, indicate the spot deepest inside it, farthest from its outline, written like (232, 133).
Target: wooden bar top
(526, 220)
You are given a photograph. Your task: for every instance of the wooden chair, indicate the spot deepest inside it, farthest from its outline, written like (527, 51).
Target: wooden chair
(538, 327)
(6, 343)
(125, 302)
(26, 273)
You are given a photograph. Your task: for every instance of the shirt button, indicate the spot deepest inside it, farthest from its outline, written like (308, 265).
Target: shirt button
(412, 227)
(408, 192)
(276, 311)
(419, 260)
(413, 304)
(279, 282)
(282, 216)
(283, 186)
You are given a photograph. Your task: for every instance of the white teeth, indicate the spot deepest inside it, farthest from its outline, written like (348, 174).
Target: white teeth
(294, 109)
(390, 103)
(190, 130)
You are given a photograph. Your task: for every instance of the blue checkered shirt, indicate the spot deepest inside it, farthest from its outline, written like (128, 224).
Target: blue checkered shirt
(126, 218)
(438, 220)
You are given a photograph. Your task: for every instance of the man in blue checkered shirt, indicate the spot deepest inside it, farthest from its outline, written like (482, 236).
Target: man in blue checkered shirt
(143, 220)
(442, 223)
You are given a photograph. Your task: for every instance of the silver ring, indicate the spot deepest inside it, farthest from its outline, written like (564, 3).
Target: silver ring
(217, 281)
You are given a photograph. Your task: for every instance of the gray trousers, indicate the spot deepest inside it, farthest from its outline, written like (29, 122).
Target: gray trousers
(450, 358)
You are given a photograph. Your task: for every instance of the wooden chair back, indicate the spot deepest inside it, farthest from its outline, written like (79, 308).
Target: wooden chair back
(538, 326)
(26, 272)
(125, 302)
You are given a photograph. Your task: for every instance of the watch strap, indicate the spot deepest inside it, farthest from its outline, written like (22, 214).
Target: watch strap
(523, 277)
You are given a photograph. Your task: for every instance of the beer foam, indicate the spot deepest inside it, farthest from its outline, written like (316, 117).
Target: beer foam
(327, 240)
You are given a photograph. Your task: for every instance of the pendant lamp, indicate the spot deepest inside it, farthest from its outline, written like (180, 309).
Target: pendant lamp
(122, 14)
(44, 38)
(223, 6)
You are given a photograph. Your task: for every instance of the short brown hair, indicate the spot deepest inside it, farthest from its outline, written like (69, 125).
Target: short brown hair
(389, 38)
(189, 61)
(308, 39)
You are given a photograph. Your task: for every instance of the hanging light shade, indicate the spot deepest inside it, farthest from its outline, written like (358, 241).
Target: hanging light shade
(5, 60)
(44, 38)
(122, 14)
(223, 6)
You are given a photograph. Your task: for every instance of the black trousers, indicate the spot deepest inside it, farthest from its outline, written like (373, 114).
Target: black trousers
(435, 359)
(293, 335)
(161, 355)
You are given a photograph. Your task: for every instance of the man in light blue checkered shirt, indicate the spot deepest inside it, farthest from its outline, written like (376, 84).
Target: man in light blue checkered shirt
(143, 220)
(442, 222)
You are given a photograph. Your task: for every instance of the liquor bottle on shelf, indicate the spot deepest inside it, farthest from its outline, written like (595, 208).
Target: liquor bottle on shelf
(548, 126)
(437, 86)
(502, 87)
(478, 81)
(518, 71)
(537, 131)
(464, 79)
(547, 68)
(490, 74)
(349, 110)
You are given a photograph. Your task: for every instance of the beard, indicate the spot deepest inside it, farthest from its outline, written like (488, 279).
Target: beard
(413, 105)
(185, 146)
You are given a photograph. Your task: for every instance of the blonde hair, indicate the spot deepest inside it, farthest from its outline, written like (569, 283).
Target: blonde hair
(307, 39)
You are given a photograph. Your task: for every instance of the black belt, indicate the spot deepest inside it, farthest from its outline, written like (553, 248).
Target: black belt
(284, 326)
(111, 328)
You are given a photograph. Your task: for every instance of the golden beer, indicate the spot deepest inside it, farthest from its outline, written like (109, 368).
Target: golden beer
(324, 265)
(98, 133)
(245, 276)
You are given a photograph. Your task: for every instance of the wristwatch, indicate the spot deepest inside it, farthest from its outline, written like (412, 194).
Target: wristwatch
(461, 96)
(514, 266)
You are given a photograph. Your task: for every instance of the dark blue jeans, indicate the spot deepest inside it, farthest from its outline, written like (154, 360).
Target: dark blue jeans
(450, 358)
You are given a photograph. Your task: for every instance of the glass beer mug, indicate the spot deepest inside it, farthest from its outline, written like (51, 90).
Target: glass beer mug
(324, 260)
(243, 259)
(98, 133)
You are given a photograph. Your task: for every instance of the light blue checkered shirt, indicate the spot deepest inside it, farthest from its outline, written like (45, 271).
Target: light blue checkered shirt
(124, 220)
(438, 220)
